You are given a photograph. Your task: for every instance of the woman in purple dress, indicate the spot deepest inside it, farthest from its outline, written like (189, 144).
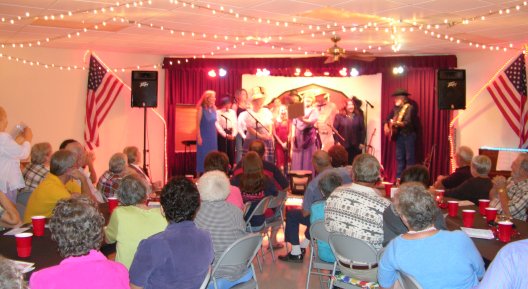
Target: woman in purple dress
(305, 139)
(351, 126)
(206, 139)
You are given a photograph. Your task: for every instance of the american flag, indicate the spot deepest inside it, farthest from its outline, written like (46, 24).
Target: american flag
(508, 90)
(103, 89)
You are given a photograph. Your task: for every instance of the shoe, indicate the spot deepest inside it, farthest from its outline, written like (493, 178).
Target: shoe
(292, 258)
(303, 251)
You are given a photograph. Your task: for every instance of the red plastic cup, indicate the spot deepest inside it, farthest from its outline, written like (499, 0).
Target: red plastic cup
(39, 223)
(452, 208)
(23, 244)
(388, 187)
(439, 195)
(112, 204)
(505, 231)
(483, 204)
(468, 217)
(491, 214)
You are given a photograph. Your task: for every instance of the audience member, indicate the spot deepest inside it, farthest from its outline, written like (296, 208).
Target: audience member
(509, 269)
(10, 276)
(133, 221)
(435, 258)
(77, 228)
(11, 152)
(511, 196)
(328, 183)
(463, 159)
(224, 222)
(134, 159)
(216, 160)
(179, 256)
(254, 185)
(270, 169)
(393, 225)
(82, 161)
(478, 186)
(9, 216)
(36, 171)
(88, 162)
(294, 217)
(53, 188)
(109, 181)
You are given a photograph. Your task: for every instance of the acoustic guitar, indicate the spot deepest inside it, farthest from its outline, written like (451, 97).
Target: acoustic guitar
(394, 125)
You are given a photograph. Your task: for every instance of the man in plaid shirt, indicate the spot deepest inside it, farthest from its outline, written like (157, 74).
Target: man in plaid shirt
(109, 181)
(35, 172)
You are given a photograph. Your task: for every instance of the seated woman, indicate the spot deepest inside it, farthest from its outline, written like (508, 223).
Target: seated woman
(77, 227)
(254, 185)
(327, 185)
(179, 256)
(478, 186)
(435, 258)
(109, 182)
(224, 222)
(11, 277)
(219, 161)
(392, 223)
(133, 221)
(9, 216)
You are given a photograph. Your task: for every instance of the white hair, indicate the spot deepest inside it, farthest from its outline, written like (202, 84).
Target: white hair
(465, 154)
(213, 186)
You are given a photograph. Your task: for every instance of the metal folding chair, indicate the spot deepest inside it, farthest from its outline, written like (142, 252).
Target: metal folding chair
(206, 279)
(318, 232)
(276, 203)
(408, 281)
(259, 210)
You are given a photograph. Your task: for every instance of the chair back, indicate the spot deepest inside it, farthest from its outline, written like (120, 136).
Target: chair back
(352, 251)
(277, 201)
(299, 180)
(408, 281)
(247, 205)
(319, 232)
(242, 251)
(261, 207)
(206, 279)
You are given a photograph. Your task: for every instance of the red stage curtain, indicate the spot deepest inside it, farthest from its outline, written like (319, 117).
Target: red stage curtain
(186, 81)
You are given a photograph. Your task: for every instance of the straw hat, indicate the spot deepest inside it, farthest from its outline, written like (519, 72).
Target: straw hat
(257, 93)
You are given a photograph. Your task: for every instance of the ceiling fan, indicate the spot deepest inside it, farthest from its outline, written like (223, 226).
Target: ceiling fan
(335, 52)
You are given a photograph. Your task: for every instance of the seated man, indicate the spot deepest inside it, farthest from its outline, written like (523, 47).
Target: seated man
(52, 188)
(270, 169)
(82, 160)
(35, 172)
(478, 186)
(509, 269)
(356, 209)
(134, 159)
(109, 181)
(511, 197)
(463, 160)
(322, 164)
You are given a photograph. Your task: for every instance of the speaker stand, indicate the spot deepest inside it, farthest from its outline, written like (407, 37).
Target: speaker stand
(145, 169)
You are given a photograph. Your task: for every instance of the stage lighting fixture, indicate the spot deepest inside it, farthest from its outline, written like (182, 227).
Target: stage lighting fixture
(326, 73)
(343, 71)
(354, 72)
(398, 70)
(222, 72)
(308, 73)
(297, 71)
(211, 73)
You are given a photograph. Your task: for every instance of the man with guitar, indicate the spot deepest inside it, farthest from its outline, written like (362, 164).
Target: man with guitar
(400, 126)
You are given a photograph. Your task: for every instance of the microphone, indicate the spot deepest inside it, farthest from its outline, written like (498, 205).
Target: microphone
(369, 104)
(224, 117)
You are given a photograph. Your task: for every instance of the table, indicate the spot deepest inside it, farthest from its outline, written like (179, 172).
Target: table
(487, 248)
(44, 251)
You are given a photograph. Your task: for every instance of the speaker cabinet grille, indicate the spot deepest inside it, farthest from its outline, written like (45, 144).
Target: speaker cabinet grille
(451, 88)
(144, 89)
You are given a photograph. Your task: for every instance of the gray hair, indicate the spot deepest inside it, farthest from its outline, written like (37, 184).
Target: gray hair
(131, 152)
(416, 204)
(213, 186)
(328, 183)
(132, 190)
(482, 164)
(321, 159)
(524, 161)
(10, 276)
(39, 153)
(62, 161)
(465, 154)
(79, 152)
(366, 168)
(117, 163)
(76, 226)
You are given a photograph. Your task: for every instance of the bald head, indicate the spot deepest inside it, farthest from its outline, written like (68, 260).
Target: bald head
(321, 161)
(464, 156)
(78, 150)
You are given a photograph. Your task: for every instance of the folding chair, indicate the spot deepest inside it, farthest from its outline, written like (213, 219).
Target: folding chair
(408, 281)
(299, 180)
(352, 254)
(318, 232)
(276, 203)
(247, 205)
(259, 210)
(206, 279)
(242, 251)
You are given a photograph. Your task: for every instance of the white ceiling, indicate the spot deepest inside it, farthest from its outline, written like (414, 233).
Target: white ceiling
(292, 39)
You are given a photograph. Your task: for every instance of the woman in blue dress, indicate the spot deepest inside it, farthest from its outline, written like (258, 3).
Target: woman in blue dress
(206, 140)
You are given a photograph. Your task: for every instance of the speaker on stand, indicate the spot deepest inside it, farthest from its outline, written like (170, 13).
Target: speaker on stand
(144, 94)
(451, 88)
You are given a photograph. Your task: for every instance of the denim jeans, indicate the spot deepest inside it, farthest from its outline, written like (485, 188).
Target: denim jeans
(405, 152)
(294, 218)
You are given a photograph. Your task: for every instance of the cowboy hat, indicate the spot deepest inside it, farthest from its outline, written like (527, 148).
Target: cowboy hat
(401, 92)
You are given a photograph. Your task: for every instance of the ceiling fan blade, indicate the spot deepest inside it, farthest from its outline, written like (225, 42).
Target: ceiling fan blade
(367, 57)
(330, 59)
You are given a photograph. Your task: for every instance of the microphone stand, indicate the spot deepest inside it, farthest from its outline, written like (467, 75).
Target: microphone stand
(225, 130)
(366, 120)
(257, 122)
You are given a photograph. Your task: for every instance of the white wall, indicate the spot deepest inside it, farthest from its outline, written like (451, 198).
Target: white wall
(365, 87)
(482, 124)
(52, 102)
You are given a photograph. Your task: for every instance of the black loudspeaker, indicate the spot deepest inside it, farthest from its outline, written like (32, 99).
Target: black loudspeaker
(144, 89)
(451, 88)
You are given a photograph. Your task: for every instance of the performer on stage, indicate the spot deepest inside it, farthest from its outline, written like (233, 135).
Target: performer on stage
(327, 111)
(281, 130)
(350, 124)
(400, 126)
(240, 105)
(304, 142)
(205, 128)
(258, 121)
(226, 126)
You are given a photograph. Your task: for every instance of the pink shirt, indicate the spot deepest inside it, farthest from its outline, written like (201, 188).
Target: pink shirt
(235, 198)
(90, 271)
